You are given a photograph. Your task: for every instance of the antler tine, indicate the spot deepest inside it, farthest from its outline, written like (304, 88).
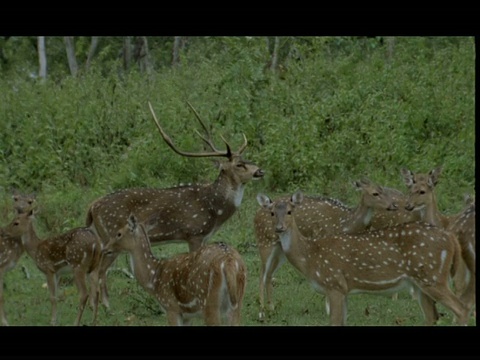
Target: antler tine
(200, 120)
(207, 141)
(244, 146)
(241, 149)
(170, 143)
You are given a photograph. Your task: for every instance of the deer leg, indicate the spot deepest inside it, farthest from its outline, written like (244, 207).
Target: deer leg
(52, 287)
(468, 296)
(428, 307)
(338, 307)
(270, 264)
(174, 318)
(443, 294)
(234, 317)
(106, 261)
(80, 277)
(195, 243)
(460, 278)
(2, 311)
(94, 291)
(211, 311)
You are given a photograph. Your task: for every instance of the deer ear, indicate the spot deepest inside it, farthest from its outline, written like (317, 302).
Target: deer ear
(433, 176)
(216, 163)
(132, 222)
(264, 200)
(297, 198)
(407, 177)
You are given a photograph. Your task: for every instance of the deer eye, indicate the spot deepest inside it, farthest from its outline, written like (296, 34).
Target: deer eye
(375, 194)
(289, 212)
(272, 213)
(422, 192)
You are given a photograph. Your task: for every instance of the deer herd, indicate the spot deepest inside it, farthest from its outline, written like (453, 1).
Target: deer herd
(387, 242)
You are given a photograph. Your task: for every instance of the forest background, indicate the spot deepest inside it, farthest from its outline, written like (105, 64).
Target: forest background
(318, 113)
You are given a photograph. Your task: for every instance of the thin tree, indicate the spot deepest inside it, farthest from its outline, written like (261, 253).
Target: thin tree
(141, 54)
(177, 45)
(274, 58)
(91, 51)
(42, 57)
(72, 59)
(127, 52)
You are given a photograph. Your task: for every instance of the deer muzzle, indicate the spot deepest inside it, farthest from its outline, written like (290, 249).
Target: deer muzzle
(393, 206)
(258, 174)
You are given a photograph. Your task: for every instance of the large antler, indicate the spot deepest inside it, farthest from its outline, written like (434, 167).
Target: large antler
(215, 152)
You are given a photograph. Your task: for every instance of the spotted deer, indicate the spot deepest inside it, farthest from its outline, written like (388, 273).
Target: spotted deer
(23, 202)
(208, 282)
(190, 213)
(78, 249)
(11, 248)
(422, 198)
(373, 262)
(319, 216)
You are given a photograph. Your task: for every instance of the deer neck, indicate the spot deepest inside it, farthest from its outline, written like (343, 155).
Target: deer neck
(31, 241)
(358, 220)
(230, 188)
(430, 213)
(295, 247)
(144, 264)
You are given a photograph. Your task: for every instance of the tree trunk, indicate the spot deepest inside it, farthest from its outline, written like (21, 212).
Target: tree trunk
(91, 52)
(72, 60)
(127, 52)
(390, 40)
(42, 57)
(274, 60)
(177, 41)
(141, 54)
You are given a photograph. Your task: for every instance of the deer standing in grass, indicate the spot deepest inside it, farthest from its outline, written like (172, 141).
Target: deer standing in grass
(78, 249)
(373, 262)
(11, 248)
(319, 216)
(423, 199)
(191, 213)
(208, 282)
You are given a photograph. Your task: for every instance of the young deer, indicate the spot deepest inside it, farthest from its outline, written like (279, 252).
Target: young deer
(208, 282)
(78, 249)
(317, 216)
(372, 262)
(422, 198)
(23, 202)
(11, 248)
(191, 213)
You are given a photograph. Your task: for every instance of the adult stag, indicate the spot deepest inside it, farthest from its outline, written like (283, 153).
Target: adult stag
(190, 213)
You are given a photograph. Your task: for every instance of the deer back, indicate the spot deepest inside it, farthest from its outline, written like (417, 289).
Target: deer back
(320, 216)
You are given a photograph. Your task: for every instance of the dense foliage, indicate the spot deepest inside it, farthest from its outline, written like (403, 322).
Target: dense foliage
(339, 109)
